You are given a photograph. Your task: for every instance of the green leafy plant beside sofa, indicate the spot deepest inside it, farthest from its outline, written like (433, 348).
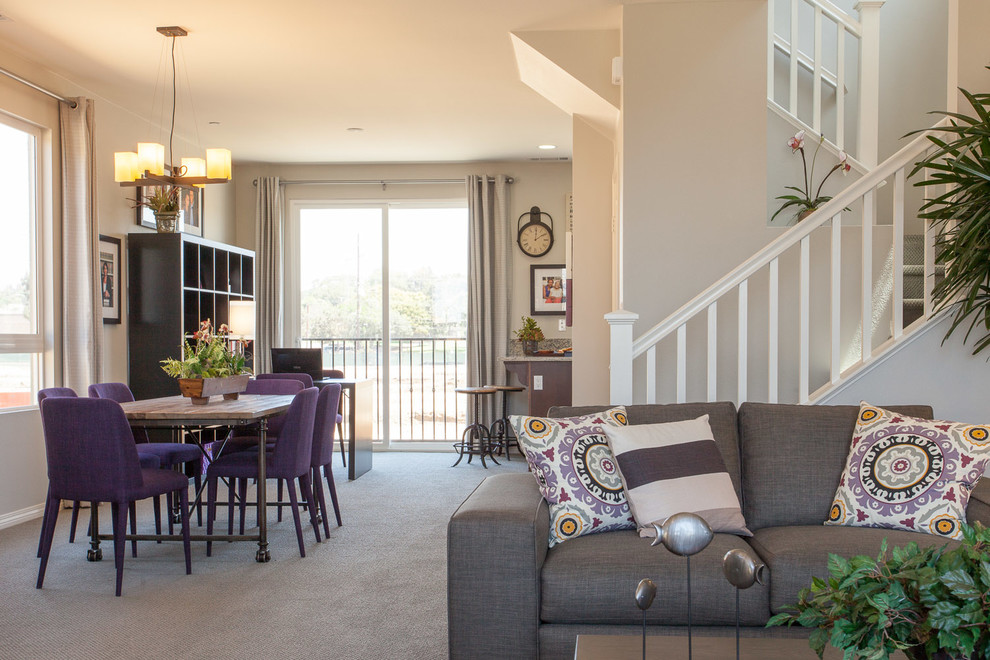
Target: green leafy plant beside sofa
(927, 602)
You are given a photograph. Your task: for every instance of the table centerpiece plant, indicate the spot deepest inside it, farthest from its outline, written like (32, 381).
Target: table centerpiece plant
(804, 203)
(529, 334)
(929, 603)
(210, 366)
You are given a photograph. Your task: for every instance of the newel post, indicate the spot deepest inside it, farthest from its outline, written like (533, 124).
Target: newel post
(620, 323)
(869, 82)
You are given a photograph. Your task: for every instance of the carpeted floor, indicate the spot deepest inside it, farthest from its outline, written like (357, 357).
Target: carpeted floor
(376, 589)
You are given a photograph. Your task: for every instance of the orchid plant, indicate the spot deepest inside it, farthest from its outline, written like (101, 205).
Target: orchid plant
(211, 357)
(804, 201)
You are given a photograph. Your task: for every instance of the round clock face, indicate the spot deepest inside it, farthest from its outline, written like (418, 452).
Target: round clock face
(535, 239)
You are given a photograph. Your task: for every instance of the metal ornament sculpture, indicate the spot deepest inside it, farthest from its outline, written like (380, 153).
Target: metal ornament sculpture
(684, 534)
(646, 591)
(742, 570)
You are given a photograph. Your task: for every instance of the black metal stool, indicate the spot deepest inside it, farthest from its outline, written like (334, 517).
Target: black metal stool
(476, 439)
(501, 432)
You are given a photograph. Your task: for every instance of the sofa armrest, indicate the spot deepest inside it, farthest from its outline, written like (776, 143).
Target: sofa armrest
(496, 545)
(978, 508)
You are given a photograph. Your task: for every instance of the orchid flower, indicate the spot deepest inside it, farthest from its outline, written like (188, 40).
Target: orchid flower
(796, 142)
(804, 200)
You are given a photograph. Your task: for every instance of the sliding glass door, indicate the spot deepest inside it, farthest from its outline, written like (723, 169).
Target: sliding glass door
(382, 289)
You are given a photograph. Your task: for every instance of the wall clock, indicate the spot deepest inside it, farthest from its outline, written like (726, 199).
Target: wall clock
(535, 237)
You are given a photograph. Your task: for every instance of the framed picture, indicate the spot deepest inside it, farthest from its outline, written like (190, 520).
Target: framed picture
(547, 291)
(110, 278)
(190, 211)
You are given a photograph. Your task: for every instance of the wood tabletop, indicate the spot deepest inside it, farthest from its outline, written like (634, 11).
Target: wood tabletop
(180, 410)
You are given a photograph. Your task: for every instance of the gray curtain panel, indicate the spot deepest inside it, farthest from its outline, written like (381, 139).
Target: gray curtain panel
(489, 276)
(268, 272)
(82, 348)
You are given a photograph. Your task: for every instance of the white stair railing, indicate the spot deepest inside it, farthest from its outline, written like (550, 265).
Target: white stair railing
(777, 262)
(784, 38)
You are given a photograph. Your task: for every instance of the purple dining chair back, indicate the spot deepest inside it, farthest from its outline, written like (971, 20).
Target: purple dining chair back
(306, 379)
(323, 425)
(91, 454)
(293, 451)
(274, 386)
(55, 393)
(120, 393)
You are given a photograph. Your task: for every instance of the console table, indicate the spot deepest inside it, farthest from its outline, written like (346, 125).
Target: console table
(359, 394)
(555, 373)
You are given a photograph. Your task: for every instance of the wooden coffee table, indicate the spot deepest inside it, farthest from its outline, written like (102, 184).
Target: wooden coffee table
(630, 647)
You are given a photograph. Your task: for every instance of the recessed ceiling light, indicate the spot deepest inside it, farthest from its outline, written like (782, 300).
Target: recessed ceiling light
(355, 129)
(548, 146)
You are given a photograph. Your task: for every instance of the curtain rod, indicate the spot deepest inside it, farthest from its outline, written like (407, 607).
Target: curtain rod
(60, 99)
(375, 182)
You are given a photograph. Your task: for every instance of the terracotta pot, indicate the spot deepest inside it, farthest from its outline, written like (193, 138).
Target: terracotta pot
(199, 390)
(805, 213)
(166, 221)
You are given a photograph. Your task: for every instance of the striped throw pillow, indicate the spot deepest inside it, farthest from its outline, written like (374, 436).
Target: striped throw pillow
(672, 468)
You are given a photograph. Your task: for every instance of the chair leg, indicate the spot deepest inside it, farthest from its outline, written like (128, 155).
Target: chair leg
(132, 509)
(47, 533)
(197, 484)
(281, 483)
(242, 490)
(158, 515)
(184, 502)
(171, 518)
(293, 501)
(75, 518)
(231, 498)
(44, 520)
(328, 471)
(340, 436)
(211, 510)
(321, 501)
(306, 489)
(119, 526)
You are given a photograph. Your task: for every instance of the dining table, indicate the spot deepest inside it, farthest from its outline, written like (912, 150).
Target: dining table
(179, 413)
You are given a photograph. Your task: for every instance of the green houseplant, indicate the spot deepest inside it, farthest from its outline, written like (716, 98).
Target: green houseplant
(529, 334)
(210, 366)
(929, 603)
(960, 215)
(164, 203)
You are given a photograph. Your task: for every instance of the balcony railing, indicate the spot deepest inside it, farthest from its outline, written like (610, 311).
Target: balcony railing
(422, 373)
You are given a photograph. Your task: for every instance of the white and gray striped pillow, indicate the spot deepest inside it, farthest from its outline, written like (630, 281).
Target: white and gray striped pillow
(675, 467)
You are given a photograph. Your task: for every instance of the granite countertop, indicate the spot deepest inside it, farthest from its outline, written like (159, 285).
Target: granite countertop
(535, 358)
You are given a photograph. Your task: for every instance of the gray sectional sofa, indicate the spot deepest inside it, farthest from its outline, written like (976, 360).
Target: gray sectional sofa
(509, 596)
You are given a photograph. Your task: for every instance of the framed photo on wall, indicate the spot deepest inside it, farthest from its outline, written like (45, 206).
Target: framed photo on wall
(547, 290)
(190, 211)
(110, 278)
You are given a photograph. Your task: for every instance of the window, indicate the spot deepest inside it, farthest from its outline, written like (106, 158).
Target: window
(21, 327)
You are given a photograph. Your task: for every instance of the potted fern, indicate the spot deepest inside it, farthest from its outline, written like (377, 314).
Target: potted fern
(209, 367)
(960, 215)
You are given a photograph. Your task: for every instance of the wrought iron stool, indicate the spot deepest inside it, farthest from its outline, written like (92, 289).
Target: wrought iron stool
(476, 439)
(501, 432)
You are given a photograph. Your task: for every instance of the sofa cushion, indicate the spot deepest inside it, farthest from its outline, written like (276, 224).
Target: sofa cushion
(796, 554)
(576, 472)
(592, 580)
(908, 473)
(674, 467)
(792, 458)
(721, 419)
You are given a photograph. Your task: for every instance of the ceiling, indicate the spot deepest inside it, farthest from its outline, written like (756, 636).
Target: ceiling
(429, 81)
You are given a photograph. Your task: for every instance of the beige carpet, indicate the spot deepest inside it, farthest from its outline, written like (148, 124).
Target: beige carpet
(376, 589)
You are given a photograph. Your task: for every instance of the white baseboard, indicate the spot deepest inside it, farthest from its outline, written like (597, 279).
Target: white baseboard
(24, 515)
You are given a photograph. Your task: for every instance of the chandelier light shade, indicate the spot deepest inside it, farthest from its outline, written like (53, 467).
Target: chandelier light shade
(147, 166)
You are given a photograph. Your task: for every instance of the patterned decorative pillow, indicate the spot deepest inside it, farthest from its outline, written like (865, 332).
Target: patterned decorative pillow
(908, 473)
(673, 467)
(576, 472)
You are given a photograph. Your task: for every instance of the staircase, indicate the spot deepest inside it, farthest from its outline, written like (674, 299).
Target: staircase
(833, 293)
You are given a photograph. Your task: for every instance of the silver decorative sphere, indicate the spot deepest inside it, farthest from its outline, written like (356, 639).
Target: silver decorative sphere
(684, 534)
(646, 591)
(742, 570)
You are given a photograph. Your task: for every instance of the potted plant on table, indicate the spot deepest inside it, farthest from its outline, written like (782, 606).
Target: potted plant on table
(530, 335)
(164, 203)
(210, 367)
(928, 603)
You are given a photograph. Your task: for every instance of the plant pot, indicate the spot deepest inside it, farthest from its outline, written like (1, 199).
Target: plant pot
(805, 213)
(199, 390)
(529, 346)
(166, 221)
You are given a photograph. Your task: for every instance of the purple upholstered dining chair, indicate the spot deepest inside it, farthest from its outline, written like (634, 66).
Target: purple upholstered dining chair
(305, 379)
(92, 457)
(326, 413)
(337, 373)
(170, 454)
(147, 461)
(289, 459)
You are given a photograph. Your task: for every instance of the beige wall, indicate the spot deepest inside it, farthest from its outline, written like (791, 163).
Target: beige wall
(694, 149)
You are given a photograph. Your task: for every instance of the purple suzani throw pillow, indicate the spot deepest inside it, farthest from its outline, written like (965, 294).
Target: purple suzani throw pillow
(576, 471)
(908, 473)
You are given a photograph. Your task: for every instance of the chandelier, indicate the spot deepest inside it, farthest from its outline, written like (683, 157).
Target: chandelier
(147, 165)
